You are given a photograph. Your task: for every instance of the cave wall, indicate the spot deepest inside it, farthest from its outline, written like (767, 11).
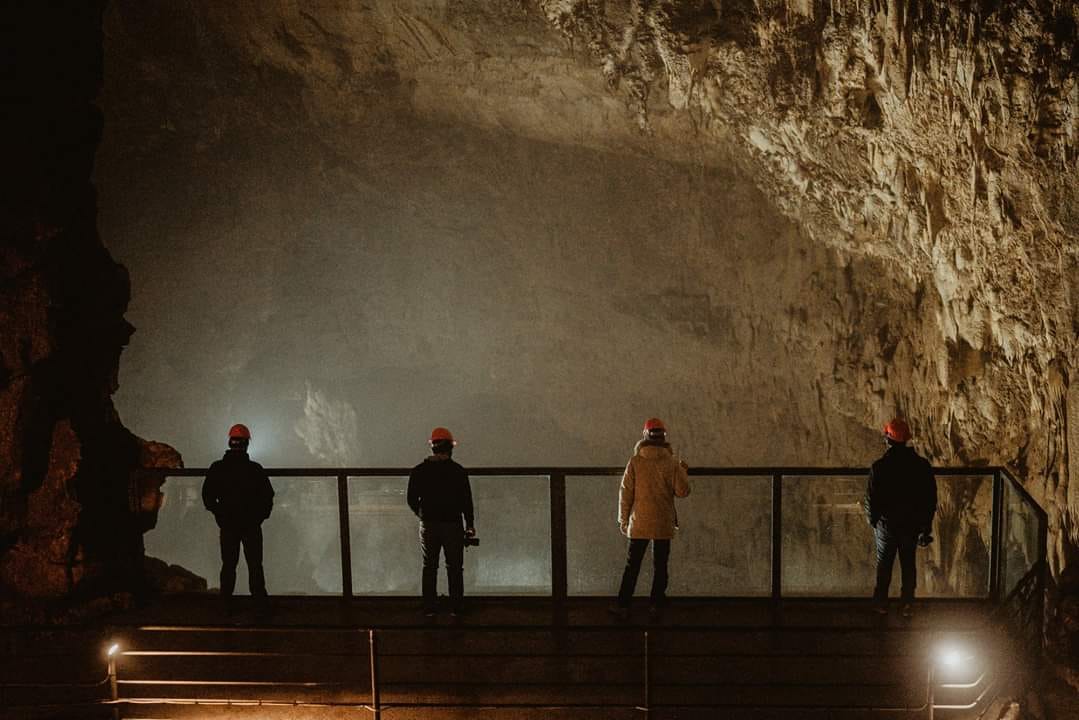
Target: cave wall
(939, 138)
(73, 501)
(921, 152)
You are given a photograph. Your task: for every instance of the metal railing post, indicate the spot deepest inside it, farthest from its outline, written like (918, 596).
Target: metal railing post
(372, 651)
(346, 536)
(114, 686)
(777, 537)
(647, 678)
(930, 695)
(559, 552)
(996, 539)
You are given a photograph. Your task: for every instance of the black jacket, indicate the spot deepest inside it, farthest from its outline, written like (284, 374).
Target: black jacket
(237, 491)
(902, 491)
(439, 491)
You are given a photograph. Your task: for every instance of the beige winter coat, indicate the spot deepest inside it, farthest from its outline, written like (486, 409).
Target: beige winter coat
(653, 479)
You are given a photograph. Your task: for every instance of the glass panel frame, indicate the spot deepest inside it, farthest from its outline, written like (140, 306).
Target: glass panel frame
(721, 549)
(827, 545)
(831, 552)
(1019, 539)
(301, 542)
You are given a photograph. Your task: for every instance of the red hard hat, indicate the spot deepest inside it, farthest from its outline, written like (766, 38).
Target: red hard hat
(441, 434)
(239, 431)
(897, 430)
(654, 424)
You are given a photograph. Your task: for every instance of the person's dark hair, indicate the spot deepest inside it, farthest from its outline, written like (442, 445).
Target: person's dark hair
(442, 447)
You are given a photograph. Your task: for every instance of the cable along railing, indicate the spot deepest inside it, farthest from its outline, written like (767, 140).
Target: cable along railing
(768, 532)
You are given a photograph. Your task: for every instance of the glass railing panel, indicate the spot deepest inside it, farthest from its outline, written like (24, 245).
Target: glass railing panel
(957, 563)
(595, 549)
(827, 543)
(1019, 549)
(186, 534)
(301, 550)
(384, 535)
(302, 541)
(513, 522)
(722, 546)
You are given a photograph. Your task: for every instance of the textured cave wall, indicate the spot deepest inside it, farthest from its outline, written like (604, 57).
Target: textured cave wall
(390, 193)
(929, 148)
(923, 155)
(939, 138)
(73, 500)
(343, 283)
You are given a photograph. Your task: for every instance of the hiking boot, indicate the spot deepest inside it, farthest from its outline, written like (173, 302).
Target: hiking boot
(620, 613)
(907, 611)
(880, 608)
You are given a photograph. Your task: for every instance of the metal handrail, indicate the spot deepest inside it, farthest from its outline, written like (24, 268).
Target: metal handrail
(557, 475)
(375, 706)
(557, 479)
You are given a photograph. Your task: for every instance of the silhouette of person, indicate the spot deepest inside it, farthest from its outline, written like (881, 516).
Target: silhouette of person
(238, 493)
(646, 513)
(440, 494)
(900, 502)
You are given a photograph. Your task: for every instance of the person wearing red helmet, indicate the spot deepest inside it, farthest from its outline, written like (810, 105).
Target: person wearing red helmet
(238, 493)
(900, 502)
(646, 513)
(440, 495)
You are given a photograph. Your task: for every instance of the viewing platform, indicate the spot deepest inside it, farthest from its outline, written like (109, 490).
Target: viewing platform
(802, 641)
(183, 657)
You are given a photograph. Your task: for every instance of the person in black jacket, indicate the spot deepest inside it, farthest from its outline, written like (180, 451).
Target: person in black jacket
(900, 502)
(440, 495)
(238, 493)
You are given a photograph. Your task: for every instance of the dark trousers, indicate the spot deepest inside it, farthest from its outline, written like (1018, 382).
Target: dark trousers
(889, 543)
(251, 539)
(449, 539)
(661, 553)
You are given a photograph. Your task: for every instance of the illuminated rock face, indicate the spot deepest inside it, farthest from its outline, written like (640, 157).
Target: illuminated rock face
(939, 141)
(924, 160)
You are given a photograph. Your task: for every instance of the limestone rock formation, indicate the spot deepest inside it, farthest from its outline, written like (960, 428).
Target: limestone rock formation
(70, 520)
(939, 138)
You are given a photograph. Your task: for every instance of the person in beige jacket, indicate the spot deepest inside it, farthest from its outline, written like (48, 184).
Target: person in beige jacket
(653, 479)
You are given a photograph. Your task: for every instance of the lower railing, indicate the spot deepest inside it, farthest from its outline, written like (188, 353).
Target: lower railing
(317, 694)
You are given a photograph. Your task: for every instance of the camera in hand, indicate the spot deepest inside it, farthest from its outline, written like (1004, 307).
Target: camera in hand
(471, 540)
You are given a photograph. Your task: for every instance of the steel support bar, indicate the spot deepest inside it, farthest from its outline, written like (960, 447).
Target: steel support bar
(647, 678)
(997, 540)
(559, 552)
(372, 654)
(114, 686)
(777, 537)
(346, 537)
